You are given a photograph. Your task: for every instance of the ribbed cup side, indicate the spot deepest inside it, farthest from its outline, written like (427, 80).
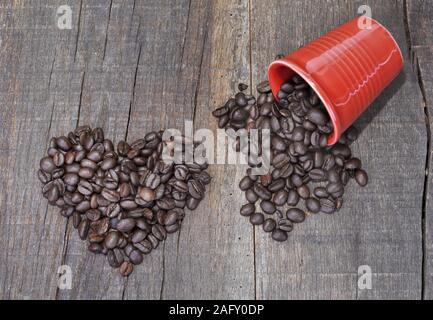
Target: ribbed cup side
(348, 68)
(351, 66)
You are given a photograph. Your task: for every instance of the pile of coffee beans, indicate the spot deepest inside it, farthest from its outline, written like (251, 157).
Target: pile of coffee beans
(123, 202)
(306, 176)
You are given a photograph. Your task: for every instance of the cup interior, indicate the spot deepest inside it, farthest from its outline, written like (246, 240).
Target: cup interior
(281, 70)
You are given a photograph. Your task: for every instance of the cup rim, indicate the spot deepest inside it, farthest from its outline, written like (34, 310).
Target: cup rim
(286, 63)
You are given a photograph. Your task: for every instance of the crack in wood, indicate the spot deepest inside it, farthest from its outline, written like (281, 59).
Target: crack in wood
(106, 31)
(251, 92)
(414, 62)
(78, 30)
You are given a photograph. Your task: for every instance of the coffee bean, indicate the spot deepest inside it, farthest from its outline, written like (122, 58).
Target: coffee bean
(126, 225)
(111, 239)
(303, 191)
(285, 225)
(313, 205)
(279, 235)
(263, 87)
(47, 164)
(147, 194)
(247, 209)
(295, 215)
(280, 197)
(327, 205)
(192, 203)
(262, 192)
(245, 183)
(144, 246)
(293, 198)
(317, 116)
(334, 187)
(257, 218)
(71, 179)
(361, 177)
(136, 257)
(86, 173)
(251, 196)
(267, 207)
(83, 229)
(126, 268)
(269, 225)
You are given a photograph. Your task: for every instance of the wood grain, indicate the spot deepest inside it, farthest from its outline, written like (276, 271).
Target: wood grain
(379, 225)
(214, 257)
(40, 98)
(134, 66)
(424, 57)
(108, 55)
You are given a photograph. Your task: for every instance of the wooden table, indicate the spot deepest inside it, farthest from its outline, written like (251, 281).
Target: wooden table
(133, 66)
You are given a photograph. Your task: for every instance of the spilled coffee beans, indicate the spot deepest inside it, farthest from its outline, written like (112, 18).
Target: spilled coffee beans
(306, 176)
(124, 202)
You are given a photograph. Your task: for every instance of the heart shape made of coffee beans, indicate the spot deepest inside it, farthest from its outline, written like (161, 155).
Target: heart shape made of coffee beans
(124, 202)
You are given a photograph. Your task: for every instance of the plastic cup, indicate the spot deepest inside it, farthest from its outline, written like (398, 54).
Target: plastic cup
(348, 68)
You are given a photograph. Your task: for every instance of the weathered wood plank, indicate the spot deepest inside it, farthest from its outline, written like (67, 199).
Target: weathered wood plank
(214, 257)
(108, 55)
(158, 103)
(40, 97)
(419, 24)
(424, 57)
(420, 19)
(380, 225)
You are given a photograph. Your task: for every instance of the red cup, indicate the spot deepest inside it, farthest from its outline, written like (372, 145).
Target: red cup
(347, 68)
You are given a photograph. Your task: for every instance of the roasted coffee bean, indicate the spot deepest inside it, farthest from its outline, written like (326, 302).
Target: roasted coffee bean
(317, 175)
(267, 206)
(303, 191)
(83, 229)
(280, 197)
(334, 187)
(159, 232)
(257, 218)
(135, 257)
(279, 235)
(262, 192)
(293, 198)
(83, 206)
(264, 87)
(269, 225)
(192, 203)
(295, 215)
(361, 177)
(126, 268)
(247, 209)
(110, 195)
(246, 183)
(112, 239)
(47, 164)
(327, 205)
(285, 225)
(144, 246)
(86, 173)
(71, 179)
(251, 196)
(147, 194)
(313, 205)
(321, 192)
(126, 225)
(317, 116)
